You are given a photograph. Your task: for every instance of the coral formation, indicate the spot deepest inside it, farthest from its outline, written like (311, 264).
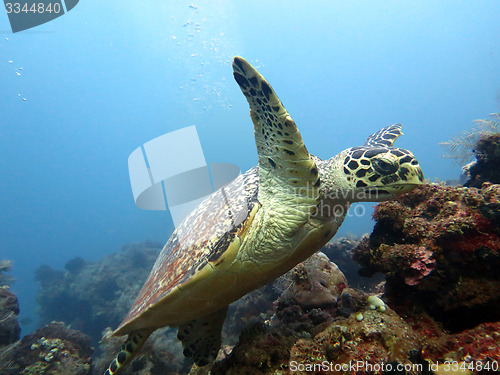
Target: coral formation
(9, 311)
(439, 249)
(483, 142)
(92, 296)
(476, 344)
(256, 306)
(335, 330)
(51, 350)
(488, 157)
(9, 307)
(339, 251)
(314, 283)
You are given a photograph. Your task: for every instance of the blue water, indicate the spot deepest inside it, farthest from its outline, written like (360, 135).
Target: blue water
(109, 76)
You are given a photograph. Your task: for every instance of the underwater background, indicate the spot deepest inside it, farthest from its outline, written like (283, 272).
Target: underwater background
(80, 93)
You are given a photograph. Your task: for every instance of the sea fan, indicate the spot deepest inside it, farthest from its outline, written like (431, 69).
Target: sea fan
(462, 147)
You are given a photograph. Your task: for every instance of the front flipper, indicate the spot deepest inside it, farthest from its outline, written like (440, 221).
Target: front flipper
(201, 338)
(286, 170)
(384, 137)
(129, 349)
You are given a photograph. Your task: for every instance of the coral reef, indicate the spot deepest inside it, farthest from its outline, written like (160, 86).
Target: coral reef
(312, 293)
(439, 249)
(307, 333)
(329, 335)
(483, 142)
(92, 296)
(50, 350)
(314, 283)
(254, 307)
(476, 344)
(486, 169)
(9, 311)
(339, 251)
(9, 307)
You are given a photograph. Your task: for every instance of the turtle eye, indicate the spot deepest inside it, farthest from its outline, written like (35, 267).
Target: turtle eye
(384, 166)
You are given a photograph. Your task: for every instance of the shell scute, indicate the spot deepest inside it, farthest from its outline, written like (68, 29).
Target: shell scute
(201, 239)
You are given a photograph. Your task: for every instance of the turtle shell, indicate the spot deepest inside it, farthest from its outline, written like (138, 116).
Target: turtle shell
(202, 238)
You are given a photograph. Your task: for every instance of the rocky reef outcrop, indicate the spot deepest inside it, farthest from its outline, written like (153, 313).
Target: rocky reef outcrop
(51, 350)
(90, 296)
(481, 143)
(321, 325)
(487, 152)
(9, 311)
(9, 307)
(439, 248)
(485, 169)
(340, 252)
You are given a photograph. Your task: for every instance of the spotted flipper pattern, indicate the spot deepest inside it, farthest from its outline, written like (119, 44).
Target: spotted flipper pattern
(384, 137)
(284, 162)
(128, 351)
(201, 338)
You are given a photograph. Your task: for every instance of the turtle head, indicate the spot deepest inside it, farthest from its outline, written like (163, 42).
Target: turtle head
(378, 173)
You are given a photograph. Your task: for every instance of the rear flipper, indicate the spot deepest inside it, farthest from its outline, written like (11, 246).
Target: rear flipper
(201, 338)
(129, 349)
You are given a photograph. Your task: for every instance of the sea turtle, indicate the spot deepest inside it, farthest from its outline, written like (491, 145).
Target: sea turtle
(260, 225)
